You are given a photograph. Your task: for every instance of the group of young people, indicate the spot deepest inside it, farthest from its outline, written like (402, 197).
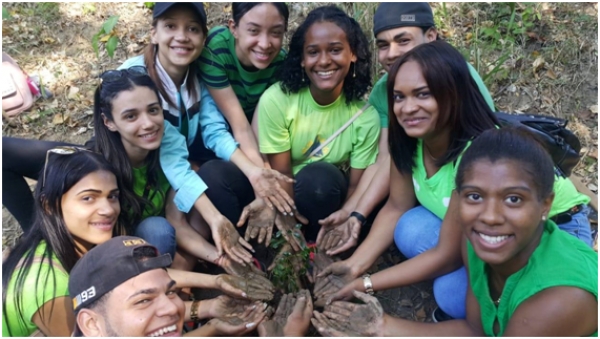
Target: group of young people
(215, 128)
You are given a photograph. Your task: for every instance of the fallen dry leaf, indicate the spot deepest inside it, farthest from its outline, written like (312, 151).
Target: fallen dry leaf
(59, 119)
(594, 154)
(594, 109)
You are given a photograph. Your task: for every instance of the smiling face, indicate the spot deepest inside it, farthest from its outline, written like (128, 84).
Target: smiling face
(259, 36)
(138, 117)
(90, 209)
(393, 43)
(414, 106)
(178, 34)
(501, 213)
(143, 306)
(326, 59)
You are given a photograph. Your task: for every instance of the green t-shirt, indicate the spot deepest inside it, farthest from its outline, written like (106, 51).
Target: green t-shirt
(566, 196)
(38, 289)
(434, 193)
(221, 68)
(296, 122)
(378, 96)
(157, 197)
(559, 260)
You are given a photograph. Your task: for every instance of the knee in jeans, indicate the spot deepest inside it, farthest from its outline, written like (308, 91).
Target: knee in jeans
(416, 231)
(155, 226)
(450, 292)
(320, 181)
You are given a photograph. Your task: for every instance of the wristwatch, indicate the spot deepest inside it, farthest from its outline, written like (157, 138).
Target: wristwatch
(359, 216)
(368, 284)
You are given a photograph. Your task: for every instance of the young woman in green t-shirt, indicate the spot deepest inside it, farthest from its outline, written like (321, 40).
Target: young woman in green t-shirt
(322, 83)
(438, 111)
(76, 207)
(527, 278)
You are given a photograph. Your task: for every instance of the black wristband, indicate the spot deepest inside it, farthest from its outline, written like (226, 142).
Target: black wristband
(359, 216)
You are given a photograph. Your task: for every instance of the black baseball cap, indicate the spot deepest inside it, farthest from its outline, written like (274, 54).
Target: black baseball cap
(107, 266)
(402, 14)
(161, 7)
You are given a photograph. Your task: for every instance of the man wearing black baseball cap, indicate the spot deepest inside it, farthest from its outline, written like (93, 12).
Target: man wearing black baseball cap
(399, 27)
(121, 288)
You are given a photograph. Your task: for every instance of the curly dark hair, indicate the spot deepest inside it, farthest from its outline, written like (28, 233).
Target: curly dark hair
(354, 87)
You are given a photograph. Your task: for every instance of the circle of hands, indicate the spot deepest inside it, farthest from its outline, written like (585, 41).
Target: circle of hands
(332, 279)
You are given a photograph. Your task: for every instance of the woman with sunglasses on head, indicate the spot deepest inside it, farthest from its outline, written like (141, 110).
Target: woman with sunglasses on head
(322, 83)
(193, 120)
(438, 111)
(76, 207)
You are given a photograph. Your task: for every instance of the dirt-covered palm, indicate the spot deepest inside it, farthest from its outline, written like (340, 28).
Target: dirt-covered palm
(292, 317)
(240, 324)
(229, 241)
(260, 219)
(340, 238)
(266, 185)
(329, 277)
(253, 286)
(226, 306)
(343, 318)
(249, 272)
(292, 234)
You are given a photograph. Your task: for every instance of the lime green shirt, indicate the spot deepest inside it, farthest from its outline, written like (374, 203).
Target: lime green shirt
(157, 197)
(434, 193)
(295, 122)
(559, 260)
(221, 68)
(566, 196)
(378, 96)
(38, 289)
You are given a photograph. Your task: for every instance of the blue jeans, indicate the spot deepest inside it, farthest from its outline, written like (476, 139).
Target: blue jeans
(417, 231)
(579, 226)
(158, 232)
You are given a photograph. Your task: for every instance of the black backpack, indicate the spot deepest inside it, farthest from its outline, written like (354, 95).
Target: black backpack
(562, 144)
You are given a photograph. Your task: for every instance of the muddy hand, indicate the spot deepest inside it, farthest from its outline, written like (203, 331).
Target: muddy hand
(330, 328)
(225, 306)
(252, 286)
(239, 325)
(248, 272)
(329, 277)
(365, 319)
(229, 241)
(292, 234)
(266, 185)
(260, 221)
(341, 238)
(292, 317)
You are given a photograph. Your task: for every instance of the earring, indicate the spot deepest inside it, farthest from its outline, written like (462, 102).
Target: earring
(302, 75)
(354, 70)
(543, 218)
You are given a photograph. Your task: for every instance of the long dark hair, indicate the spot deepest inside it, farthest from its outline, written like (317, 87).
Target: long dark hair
(239, 9)
(150, 55)
(109, 143)
(459, 101)
(62, 173)
(354, 87)
(511, 143)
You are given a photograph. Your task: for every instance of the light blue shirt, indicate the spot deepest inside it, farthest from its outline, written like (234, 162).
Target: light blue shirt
(174, 146)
